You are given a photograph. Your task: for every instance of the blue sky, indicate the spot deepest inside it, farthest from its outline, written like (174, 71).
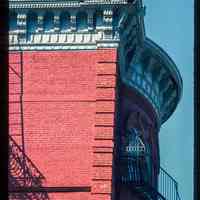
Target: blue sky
(170, 24)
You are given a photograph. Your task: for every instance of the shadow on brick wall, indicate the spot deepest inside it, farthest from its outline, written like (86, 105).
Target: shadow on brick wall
(24, 179)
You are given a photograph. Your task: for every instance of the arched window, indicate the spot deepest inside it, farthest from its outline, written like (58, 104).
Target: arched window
(98, 19)
(31, 22)
(81, 21)
(65, 21)
(48, 21)
(13, 21)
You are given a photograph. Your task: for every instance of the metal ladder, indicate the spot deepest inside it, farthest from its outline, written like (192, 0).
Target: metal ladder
(23, 174)
(16, 125)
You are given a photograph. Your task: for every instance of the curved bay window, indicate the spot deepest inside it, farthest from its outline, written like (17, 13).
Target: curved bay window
(135, 151)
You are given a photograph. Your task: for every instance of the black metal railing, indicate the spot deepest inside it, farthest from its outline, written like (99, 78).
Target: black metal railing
(132, 170)
(16, 125)
(16, 194)
(151, 193)
(23, 174)
(134, 173)
(17, 168)
(168, 186)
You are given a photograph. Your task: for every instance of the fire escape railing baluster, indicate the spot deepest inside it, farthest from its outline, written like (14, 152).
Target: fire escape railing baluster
(33, 177)
(133, 172)
(168, 186)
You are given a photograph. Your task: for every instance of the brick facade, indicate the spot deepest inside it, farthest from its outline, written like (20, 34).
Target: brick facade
(68, 117)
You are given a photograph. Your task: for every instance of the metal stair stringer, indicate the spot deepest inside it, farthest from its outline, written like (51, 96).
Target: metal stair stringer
(147, 192)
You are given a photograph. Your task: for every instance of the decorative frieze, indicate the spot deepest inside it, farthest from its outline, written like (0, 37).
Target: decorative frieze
(20, 4)
(92, 22)
(89, 27)
(61, 39)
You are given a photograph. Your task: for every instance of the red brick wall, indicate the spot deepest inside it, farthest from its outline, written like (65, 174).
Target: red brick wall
(68, 109)
(69, 196)
(14, 97)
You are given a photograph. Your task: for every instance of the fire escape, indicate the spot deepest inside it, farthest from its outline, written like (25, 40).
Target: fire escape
(138, 183)
(23, 175)
(135, 172)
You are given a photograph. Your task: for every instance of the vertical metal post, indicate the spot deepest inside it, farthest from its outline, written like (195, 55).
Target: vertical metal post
(21, 112)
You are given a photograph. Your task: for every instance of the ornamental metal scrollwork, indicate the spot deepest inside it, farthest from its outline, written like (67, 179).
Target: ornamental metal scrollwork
(134, 151)
(135, 146)
(22, 174)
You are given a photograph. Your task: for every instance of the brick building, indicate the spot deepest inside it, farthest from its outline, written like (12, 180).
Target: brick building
(88, 93)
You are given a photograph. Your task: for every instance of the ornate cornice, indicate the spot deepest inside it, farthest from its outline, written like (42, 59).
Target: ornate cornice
(98, 26)
(62, 41)
(28, 4)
